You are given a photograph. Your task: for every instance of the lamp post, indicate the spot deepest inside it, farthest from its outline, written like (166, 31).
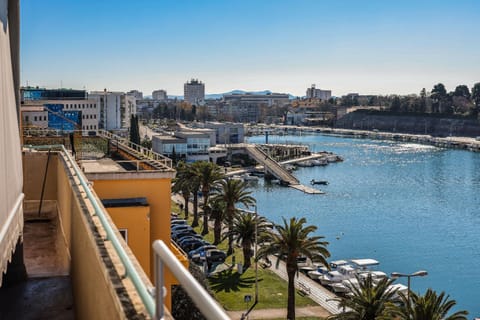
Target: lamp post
(420, 273)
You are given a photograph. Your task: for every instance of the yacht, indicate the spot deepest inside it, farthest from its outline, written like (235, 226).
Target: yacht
(342, 273)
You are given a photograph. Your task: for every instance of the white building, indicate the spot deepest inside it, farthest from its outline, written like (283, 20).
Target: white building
(313, 93)
(160, 95)
(225, 132)
(137, 94)
(194, 92)
(189, 146)
(48, 114)
(269, 99)
(115, 109)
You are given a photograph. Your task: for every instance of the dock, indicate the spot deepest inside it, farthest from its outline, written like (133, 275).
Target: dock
(306, 189)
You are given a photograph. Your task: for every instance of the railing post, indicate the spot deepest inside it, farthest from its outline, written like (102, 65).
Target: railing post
(159, 303)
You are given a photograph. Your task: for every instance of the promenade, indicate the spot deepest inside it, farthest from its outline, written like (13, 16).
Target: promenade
(318, 294)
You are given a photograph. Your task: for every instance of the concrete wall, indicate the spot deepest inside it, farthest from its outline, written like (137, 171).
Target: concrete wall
(418, 124)
(158, 193)
(136, 220)
(98, 290)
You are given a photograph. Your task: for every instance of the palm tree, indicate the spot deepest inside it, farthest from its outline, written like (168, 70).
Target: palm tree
(231, 192)
(244, 232)
(427, 307)
(368, 301)
(218, 213)
(208, 174)
(182, 184)
(292, 241)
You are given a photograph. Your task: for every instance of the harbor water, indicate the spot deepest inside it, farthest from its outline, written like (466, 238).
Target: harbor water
(412, 207)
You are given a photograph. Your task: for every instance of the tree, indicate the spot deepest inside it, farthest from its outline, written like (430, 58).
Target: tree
(396, 104)
(427, 307)
(461, 91)
(243, 231)
(369, 300)
(292, 241)
(218, 213)
(231, 192)
(182, 184)
(476, 94)
(439, 95)
(208, 174)
(134, 130)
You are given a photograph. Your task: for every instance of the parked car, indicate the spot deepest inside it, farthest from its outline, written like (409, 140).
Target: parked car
(194, 245)
(211, 256)
(183, 233)
(195, 236)
(201, 249)
(180, 227)
(177, 222)
(190, 236)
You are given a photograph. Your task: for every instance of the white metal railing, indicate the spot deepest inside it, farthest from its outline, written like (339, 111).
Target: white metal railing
(136, 149)
(207, 305)
(130, 270)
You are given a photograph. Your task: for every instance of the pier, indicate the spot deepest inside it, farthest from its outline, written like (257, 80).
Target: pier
(275, 168)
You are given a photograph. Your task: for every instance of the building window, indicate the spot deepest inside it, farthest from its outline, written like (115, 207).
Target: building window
(35, 118)
(124, 233)
(44, 118)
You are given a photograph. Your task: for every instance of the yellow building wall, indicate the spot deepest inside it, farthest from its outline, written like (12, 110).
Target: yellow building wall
(136, 220)
(158, 194)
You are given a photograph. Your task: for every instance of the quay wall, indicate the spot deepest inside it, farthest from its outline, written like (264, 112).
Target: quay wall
(430, 124)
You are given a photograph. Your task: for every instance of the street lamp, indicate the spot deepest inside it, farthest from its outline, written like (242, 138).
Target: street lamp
(420, 273)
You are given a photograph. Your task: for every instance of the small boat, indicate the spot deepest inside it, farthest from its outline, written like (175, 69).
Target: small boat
(319, 162)
(342, 273)
(249, 178)
(306, 163)
(313, 181)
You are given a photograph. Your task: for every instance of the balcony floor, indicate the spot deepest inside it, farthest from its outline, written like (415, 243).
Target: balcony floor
(38, 298)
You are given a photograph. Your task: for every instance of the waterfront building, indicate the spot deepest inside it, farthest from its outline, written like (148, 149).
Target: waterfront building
(188, 145)
(159, 95)
(314, 93)
(115, 109)
(194, 92)
(225, 132)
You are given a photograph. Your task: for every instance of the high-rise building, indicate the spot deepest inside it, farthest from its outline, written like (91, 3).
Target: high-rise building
(194, 92)
(135, 93)
(115, 109)
(159, 95)
(313, 93)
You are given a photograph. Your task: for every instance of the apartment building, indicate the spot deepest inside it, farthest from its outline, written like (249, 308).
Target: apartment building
(194, 92)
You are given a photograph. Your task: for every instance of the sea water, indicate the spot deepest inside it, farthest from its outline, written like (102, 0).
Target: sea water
(410, 206)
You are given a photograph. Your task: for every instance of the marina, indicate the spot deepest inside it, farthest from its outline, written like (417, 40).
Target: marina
(409, 205)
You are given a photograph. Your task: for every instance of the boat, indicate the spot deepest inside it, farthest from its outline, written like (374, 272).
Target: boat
(249, 178)
(322, 270)
(342, 273)
(319, 162)
(364, 264)
(306, 163)
(323, 182)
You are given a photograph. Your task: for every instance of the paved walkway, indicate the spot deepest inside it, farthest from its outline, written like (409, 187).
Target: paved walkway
(317, 293)
(280, 313)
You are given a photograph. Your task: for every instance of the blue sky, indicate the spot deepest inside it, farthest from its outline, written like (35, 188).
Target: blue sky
(370, 47)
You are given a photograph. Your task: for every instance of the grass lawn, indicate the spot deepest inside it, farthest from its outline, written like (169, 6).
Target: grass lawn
(230, 288)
